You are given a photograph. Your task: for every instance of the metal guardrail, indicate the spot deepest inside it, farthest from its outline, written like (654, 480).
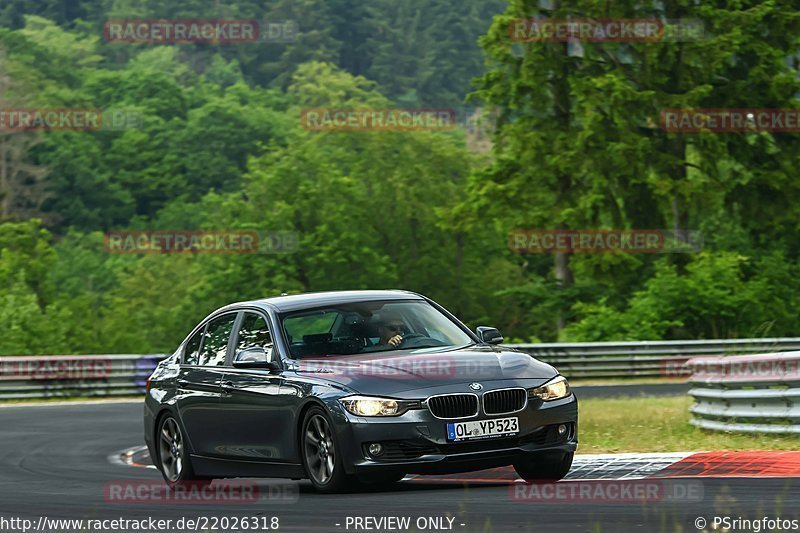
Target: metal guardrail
(32, 377)
(644, 358)
(751, 393)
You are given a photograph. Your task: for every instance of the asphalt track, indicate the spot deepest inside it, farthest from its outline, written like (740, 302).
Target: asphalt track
(54, 462)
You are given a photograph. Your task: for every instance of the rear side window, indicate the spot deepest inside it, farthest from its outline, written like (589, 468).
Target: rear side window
(215, 340)
(254, 332)
(191, 353)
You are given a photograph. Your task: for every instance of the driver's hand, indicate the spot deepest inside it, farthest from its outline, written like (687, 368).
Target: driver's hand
(395, 341)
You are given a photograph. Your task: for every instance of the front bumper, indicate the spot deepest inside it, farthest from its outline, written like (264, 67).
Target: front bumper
(416, 442)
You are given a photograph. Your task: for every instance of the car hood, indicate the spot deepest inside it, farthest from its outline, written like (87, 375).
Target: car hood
(393, 372)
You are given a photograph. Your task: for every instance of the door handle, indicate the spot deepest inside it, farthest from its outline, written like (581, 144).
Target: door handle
(227, 386)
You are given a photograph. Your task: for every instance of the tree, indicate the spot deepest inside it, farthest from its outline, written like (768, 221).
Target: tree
(578, 140)
(22, 186)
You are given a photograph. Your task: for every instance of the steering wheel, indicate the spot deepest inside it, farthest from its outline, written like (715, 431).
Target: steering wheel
(415, 338)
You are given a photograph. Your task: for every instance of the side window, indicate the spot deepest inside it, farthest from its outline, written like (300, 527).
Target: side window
(254, 332)
(215, 340)
(191, 353)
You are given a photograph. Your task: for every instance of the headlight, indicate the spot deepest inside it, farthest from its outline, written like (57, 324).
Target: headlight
(552, 390)
(371, 406)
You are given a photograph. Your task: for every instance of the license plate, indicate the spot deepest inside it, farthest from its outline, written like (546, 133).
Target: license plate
(482, 429)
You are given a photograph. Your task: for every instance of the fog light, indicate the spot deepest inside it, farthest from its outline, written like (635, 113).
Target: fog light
(376, 448)
(562, 430)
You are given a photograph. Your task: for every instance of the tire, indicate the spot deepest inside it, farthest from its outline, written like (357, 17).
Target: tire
(546, 467)
(173, 455)
(322, 457)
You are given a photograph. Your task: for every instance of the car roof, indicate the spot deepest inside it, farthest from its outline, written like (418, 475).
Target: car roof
(309, 300)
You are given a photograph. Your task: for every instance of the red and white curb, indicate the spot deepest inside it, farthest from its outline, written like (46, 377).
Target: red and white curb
(138, 457)
(609, 466)
(617, 466)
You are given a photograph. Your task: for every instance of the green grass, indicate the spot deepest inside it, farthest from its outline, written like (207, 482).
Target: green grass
(609, 425)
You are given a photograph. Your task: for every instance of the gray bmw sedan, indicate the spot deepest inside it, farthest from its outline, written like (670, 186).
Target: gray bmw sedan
(350, 388)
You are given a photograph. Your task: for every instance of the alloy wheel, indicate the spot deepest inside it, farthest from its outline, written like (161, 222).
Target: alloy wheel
(171, 449)
(320, 450)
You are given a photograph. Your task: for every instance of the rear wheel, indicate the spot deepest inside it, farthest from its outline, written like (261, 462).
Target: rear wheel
(545, 467)
(173, 456)
(321, 457)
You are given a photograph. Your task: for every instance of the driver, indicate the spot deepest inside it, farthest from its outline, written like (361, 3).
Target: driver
(390, 329)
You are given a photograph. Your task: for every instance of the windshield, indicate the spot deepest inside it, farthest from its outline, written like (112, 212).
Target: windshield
(368, 327)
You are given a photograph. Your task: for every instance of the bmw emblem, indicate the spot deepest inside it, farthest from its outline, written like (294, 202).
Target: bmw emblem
(475, 386)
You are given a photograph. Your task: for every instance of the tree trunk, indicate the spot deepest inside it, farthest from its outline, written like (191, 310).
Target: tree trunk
(563, 114)
(678, 174)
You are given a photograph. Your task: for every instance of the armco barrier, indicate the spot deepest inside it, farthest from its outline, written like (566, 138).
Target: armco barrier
(122, 375)
(752, 393)
(643, 358)
(55, 376)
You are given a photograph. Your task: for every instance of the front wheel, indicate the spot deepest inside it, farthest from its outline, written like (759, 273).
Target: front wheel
(173, 456)
(321, 457)
(545, 467)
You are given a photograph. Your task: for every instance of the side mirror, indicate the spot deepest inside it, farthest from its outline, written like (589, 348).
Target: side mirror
(255, 357)
(489, 335)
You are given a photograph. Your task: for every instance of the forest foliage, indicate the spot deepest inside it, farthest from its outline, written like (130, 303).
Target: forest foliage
(566, 136)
